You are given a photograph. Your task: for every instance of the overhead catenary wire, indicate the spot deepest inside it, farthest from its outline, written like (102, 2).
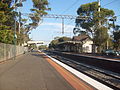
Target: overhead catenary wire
(67, 25)
(118, 16)
(110, 3)
(58, 16)
(70, 7)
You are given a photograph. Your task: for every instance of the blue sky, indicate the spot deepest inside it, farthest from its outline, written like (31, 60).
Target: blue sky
(51, 27)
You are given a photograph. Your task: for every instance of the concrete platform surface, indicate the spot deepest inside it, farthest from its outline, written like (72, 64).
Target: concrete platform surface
(31, 72)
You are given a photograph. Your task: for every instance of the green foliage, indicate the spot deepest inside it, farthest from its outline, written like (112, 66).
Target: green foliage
(91, 10)
(38, 10)
(6, 36)
(87, 9)
(53, 43)
(8, 17)
(56, 41)
(117, 40)
(43, 47)
(62, 39)
(82, 33)
(116, 35)
(96, 23)
(40, 4)
(7, 22)
(101, 36)
(8, 2)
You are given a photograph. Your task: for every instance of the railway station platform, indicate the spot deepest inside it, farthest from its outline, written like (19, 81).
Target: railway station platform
(37, 71)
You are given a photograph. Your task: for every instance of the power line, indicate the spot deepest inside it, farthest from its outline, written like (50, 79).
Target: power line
(66, 27)
(118, 16)
(70, 6)
(110, 2)
(58, 16)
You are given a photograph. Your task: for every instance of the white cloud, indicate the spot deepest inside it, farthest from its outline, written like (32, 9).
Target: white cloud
(56, 27)
(47, 23)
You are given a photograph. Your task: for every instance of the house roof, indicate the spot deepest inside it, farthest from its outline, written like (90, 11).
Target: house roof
(81, 38)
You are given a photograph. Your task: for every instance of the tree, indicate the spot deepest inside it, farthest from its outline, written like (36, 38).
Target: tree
(101, 38)
(53, 44)
(6, 36)
(95, 23)
(8, 16)
(116, 36)
(63, 39)
(82, 33)
(39, 9)
(43, 47)
(6, 21)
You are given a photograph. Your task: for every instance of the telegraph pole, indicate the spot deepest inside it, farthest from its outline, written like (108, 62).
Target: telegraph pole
(99, 5)
(99, 24)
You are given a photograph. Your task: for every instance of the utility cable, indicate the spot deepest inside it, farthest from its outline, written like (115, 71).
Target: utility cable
(110, 2)
(118, 16)
(66, 27)
(70, 6)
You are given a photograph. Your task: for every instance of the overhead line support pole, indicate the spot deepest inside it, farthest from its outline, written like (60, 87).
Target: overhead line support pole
(58, 16)
(62, 25)
(99, 5)
(15, 39)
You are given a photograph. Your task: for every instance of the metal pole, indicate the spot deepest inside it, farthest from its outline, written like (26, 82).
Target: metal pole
(19, 22)
(15, 36)
(107, 40)
(62, 25)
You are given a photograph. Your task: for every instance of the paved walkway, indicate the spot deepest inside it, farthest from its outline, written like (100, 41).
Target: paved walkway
(31, 72)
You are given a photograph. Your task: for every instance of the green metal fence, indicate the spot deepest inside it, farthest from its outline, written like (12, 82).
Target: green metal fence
(8, 51)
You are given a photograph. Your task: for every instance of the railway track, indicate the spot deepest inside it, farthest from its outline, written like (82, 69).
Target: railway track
(106, 77)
